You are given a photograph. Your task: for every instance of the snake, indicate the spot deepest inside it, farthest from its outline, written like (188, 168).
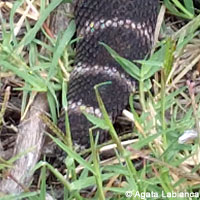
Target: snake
(126, 26)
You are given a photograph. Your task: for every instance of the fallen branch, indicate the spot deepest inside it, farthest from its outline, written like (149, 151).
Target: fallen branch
(30, 138)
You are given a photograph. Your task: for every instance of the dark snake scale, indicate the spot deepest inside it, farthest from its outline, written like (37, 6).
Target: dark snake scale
(127, 26)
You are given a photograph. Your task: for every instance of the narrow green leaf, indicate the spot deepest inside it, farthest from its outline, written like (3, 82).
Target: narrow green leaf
(72, 154)
(98, 122)
(32, 79)
(127, 65)
(145, 141)
(43, 183)
(89, 181)
(190, 6)
(66, 38)
(32, 33)
(52, 106)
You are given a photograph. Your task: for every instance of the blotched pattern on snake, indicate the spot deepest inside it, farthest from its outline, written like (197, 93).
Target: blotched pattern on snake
(127, 26)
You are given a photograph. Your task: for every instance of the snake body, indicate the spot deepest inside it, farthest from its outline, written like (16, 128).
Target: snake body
(127, 26)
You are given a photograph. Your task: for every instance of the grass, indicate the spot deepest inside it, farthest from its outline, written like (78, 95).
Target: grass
(169, 107)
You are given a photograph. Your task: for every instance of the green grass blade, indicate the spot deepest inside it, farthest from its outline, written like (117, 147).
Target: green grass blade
(73, 154)
(67, 36)
(32, 33)
(127, 65)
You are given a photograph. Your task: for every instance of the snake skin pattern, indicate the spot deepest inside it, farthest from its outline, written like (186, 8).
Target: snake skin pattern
(127, 26)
